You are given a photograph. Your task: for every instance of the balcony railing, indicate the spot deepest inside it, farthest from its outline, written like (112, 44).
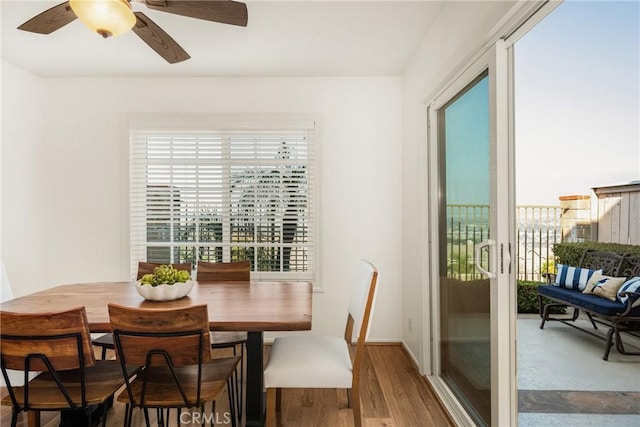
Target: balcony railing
(538, 228)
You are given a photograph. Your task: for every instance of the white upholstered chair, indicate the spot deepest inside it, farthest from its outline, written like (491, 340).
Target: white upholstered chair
(312, 361)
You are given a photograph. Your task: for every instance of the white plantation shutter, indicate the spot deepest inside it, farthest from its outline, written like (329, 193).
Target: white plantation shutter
(224, 195)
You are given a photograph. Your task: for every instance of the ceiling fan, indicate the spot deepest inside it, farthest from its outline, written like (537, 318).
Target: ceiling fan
(113, 17)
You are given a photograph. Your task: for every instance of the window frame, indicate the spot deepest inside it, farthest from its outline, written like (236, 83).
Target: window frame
(227, 125)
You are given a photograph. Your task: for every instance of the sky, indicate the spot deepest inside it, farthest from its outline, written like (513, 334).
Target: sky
(467, 147)
(577, 101)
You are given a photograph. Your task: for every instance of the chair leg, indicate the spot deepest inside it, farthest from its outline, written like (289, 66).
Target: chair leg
(165, 419)
(14, 418)
(592, 321)
(232, 390)
(131, 408)
(33, 418)
(608, 344)
(87, 412)
(126, 416)
(233, 405)
(239, 383)
(355, 402)
(146, 417)
(241, 387)
(108, 404)
(544, 314)
(104, 416)
(271, 407)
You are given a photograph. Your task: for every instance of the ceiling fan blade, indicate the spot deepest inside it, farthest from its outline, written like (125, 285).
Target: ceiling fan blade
(224, 11)
(50, 20)
(158, 39)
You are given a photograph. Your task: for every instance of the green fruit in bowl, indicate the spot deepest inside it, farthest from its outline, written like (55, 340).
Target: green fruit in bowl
(183, 276)
(165, 275)
(147, 279)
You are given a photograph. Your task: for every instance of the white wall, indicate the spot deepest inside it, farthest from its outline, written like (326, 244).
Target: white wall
(458, 31)
(79, 187)
(23, 173)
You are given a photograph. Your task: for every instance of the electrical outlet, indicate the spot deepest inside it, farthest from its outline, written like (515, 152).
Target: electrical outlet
(410, 324)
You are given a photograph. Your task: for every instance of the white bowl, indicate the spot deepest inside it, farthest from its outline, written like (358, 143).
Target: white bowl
(164, 292)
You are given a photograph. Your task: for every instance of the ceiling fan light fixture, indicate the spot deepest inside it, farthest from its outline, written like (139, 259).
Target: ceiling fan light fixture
(109, 18)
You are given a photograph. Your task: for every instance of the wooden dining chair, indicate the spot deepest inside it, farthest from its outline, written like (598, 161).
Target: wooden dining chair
(105, 341)
(58, 346)
(216, 272)
(173, 347)
(6, 294)
(212, 272)
(312, 361)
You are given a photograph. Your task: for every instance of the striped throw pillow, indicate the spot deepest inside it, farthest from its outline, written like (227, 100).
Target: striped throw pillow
(575, 278)
(631, 285)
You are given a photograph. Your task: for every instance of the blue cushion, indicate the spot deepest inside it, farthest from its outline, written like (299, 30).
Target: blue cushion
(555, 291)
(601, 305)
(590, 302)
(575, 278)
(631, 285)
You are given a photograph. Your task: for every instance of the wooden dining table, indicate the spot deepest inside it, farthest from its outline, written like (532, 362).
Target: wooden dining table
(254, 307)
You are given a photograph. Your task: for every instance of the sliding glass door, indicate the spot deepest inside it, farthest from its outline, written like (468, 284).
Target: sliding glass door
(465, 329)
(473, 354)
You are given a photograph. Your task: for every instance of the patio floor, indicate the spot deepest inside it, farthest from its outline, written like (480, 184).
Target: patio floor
(563, 381)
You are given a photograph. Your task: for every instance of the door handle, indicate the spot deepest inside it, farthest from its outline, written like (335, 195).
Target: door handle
(486, 244)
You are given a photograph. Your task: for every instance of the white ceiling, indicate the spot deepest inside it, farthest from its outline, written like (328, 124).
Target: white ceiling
(282, 39)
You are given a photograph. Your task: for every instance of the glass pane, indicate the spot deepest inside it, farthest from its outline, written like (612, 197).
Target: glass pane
(159, 255)
(464, 222)
(158, 232)
(294, 259)
(241, 254)
(269, 259)
(210, 254)
(242, 231)
(171, 254)
(184, 232)
(210, 229)
(182, 254)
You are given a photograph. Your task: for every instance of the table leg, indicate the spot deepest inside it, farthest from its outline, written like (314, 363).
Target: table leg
(33, 418)
(255, 381)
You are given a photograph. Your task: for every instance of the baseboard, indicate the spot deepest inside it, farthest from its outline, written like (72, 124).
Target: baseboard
(382, 343)
(368, 343)
(378, 343)
(269, 341)
(410, 355)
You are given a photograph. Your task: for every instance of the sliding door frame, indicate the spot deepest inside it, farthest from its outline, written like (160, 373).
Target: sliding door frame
(496, 56)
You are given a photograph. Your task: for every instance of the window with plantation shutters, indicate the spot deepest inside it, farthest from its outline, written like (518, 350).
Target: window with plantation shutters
(224, 195)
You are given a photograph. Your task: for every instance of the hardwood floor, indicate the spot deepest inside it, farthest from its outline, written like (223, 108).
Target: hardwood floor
(393, 395)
